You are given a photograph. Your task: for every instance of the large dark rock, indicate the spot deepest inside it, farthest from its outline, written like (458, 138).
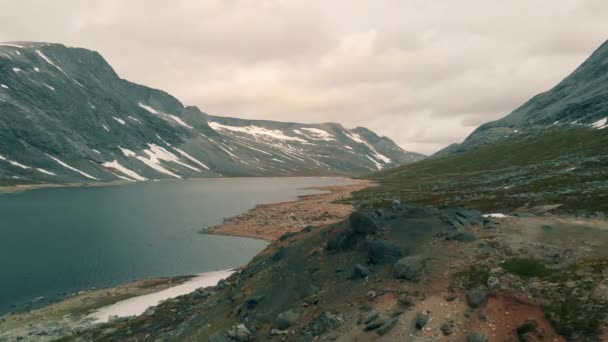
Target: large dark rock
(382, 251)
(477, 297)
(287, 318)
(409, 268)
(323, 324)
(340, 239)
(361, 271)
(361, 223)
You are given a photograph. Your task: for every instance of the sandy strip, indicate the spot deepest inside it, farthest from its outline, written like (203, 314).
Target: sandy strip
(270, 221)
(137, 305)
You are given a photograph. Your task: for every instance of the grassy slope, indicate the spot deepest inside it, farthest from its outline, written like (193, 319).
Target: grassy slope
(521, 171)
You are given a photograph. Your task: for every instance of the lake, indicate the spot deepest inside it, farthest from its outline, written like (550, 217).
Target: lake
(62, 240)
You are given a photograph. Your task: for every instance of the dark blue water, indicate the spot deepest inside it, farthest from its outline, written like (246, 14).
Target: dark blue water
(57, 241)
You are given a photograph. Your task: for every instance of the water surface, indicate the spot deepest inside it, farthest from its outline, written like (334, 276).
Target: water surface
(58, 241)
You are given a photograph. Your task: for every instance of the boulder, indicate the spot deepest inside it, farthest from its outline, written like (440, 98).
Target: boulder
(375, 324)
(388, 326)
(477, 337)
(493, 282)
(324, 323)
(421, 320)
(340, 240)
(382, 251)
(447, 328)
(462, 236)
(477, 297)
(239, 332)
(286, 319)
(362, 224)
(409, 267)
(361, 271)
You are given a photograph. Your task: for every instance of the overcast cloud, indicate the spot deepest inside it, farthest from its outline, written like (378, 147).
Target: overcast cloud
(424, 73)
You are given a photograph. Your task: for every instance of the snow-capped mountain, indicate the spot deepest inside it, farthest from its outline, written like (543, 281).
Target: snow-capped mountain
(578, 101)
(65, 115)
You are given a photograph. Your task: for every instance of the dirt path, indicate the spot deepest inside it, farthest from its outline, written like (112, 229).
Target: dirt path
(270, 221)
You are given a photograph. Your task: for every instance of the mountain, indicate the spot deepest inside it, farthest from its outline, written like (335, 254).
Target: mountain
(581, 99)
(66, 116)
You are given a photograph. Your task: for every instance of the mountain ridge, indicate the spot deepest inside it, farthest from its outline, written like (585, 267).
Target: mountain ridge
(580, 99)
(67, 116)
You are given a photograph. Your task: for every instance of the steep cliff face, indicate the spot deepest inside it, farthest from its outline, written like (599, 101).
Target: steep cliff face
(581, 99)
(65, 115)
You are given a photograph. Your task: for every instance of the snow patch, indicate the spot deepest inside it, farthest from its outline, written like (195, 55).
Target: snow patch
(191, 158)
(12, 45)
(48, 86)
(46, 172)
(496, 215)
(71, 168)
(319, 134)
(105, 127)
(4, 86)
(120, 121)
(256, 131)
(156, 154)
(179, 121)
(127, 152)
(48, 60)
(378, 156)
(14, 163)
(137, 305)
(16, 69)
(148, 108)
(599, 124)
(116, 166)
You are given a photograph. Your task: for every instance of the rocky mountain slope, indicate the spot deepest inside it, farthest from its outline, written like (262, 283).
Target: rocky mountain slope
(580, 100)
(66, 116)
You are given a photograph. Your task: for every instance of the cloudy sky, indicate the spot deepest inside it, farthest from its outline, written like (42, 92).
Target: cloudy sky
(424, 73)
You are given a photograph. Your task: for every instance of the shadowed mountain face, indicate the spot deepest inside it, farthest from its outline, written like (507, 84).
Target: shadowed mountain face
(580, 100)
(65, 115)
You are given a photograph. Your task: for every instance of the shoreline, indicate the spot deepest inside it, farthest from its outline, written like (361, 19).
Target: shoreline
(270, 221)
(265, 221)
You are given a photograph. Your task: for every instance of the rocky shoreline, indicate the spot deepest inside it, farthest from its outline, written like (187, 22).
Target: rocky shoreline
(268, 222)
(271, 221)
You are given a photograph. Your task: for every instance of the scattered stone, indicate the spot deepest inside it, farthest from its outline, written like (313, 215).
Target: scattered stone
(462, 236)
(409, 267)
(362, 224)
(361, 271)
(371, 317)
(477, 337)
(477, 297)
(388, 326)
(286, 319)
(588, 214)
(493, 282)
(323, 324)
(239, 332)
(396, 204)
(277, 332)
(253, 301)
(447, 328)
(382, 251)
(150, 311)
(421, 320)
(375, 324)
(525, 330)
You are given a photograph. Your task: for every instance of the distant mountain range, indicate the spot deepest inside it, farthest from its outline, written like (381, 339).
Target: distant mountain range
(66, 116)
(580, 100)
